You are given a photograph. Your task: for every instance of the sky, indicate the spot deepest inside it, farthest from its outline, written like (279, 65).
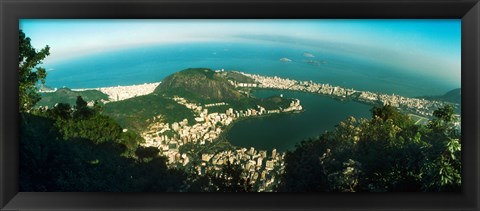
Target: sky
(427, 45)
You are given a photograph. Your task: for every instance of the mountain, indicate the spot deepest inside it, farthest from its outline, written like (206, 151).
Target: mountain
(452, 96)
(197, 85)
(202, 85)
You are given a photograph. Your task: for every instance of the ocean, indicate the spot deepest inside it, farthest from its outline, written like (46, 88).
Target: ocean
(153, 63)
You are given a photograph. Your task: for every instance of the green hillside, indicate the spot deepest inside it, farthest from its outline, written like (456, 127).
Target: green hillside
(133, 113)
(65, 95)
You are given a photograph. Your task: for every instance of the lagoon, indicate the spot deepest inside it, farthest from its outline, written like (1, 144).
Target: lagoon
(283, 131)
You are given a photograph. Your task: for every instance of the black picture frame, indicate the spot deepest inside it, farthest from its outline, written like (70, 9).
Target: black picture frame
(13, 10)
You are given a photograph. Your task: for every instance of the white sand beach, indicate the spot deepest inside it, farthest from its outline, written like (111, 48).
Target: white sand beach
(117, 93)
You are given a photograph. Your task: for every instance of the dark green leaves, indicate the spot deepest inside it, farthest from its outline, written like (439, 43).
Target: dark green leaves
(29, 72)
(385, 153)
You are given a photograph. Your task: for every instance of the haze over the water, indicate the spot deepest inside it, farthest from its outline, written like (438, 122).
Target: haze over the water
(429, 48)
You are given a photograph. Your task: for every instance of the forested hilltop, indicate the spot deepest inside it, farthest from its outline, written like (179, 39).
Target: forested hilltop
(77, 146)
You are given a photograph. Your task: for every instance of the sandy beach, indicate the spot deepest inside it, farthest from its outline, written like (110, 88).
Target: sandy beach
(117, 93)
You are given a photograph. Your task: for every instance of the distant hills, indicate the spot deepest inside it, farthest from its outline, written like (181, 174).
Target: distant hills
(65, 95)
(452, 96)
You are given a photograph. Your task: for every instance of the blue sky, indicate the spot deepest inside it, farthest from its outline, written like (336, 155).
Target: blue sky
(427, 45)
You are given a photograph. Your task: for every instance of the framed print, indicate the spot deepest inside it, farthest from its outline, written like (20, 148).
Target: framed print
(158, 105)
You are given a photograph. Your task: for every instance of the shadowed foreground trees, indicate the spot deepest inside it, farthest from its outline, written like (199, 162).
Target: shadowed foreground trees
(79, 149)
(386, 153)
(66, 149)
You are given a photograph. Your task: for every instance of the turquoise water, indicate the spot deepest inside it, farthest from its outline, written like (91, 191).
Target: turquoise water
(283, 131)
(153, 63)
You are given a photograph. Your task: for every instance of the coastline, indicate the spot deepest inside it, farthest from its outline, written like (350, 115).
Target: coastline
(418, 106)
(117, 93)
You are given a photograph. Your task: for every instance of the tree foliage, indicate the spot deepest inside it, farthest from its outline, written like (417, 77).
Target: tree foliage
(443, 170)
(63, 151)
(386, 153)
(29, 71)
(77, 148)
